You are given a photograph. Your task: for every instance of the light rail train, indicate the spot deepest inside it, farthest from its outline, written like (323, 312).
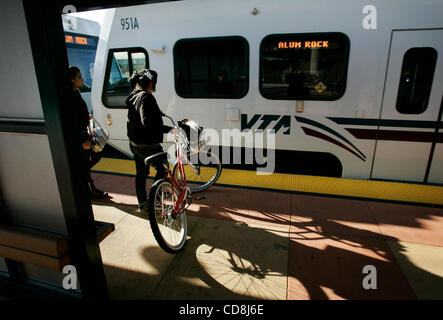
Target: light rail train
(352, 89)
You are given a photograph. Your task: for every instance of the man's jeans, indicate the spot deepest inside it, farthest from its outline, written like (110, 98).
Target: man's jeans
(142, 171)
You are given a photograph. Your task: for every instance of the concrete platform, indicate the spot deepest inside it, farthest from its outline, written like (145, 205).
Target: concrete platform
(255, 244)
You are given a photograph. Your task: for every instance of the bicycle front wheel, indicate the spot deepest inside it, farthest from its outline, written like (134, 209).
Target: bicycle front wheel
(203, 175)
(170, 232)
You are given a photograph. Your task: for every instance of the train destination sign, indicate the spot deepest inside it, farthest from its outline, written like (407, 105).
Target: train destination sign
(302, 44)
(78, 40)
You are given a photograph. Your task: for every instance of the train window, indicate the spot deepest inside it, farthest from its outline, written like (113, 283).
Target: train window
(309, 66)
(211, 67)
(416, 77)
(138, 61)
(121, 64)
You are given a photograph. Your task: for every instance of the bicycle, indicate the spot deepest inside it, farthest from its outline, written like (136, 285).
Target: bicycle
(203, 175)
(170, 197)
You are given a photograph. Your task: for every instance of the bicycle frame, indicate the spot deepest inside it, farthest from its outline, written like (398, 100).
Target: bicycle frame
(181, 186)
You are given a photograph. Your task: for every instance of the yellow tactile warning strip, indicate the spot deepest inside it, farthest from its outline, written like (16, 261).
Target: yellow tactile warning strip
(394, 191)
(115, 166)
(422, 266)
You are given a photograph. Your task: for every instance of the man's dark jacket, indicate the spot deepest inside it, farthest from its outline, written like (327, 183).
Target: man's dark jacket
(82, 113)
(145, 123)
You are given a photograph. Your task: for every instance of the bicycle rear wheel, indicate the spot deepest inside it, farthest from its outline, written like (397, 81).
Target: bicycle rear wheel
(204, 175)
(169, 232)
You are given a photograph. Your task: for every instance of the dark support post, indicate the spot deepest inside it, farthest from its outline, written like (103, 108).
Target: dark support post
(50, 59)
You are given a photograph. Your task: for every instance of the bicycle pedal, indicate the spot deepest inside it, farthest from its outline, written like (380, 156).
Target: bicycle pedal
(200, 198)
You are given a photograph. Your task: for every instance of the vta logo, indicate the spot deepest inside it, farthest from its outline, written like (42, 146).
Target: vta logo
(266, 119)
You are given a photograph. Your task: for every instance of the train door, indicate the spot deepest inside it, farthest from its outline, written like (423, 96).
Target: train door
(120, 65)
(410, 115)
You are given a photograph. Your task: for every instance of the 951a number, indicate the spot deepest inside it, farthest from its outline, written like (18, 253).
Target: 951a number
(129, 23)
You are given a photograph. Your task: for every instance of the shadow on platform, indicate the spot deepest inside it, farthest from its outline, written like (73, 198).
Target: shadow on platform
(247, 244)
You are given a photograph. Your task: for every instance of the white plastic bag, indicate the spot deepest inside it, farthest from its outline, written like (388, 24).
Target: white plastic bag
(99, 135)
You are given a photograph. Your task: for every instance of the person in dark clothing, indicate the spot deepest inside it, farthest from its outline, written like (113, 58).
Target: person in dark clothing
(90, 158)
(145, 130)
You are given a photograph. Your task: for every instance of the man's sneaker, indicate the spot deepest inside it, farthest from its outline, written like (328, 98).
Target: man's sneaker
(143, 207)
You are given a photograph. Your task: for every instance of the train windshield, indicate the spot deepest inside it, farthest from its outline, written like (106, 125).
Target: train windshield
(81, 53)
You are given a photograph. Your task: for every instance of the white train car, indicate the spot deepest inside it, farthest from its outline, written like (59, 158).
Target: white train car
(352, 88)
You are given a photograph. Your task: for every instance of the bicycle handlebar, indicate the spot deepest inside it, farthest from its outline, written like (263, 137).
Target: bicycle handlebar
(178, 131)
(172, 120)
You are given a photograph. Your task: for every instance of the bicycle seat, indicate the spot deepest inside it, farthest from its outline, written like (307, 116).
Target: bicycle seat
(161, 155)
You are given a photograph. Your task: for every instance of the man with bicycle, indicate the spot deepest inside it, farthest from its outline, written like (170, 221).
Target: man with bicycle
(145, 130)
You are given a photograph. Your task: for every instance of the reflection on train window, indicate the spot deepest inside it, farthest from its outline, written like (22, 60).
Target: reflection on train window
(121, 65)
(138, 61)
(416, 77)
(304, 66)
(211, 67)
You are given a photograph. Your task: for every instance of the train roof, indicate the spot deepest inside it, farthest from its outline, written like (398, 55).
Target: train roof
(74, 24)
